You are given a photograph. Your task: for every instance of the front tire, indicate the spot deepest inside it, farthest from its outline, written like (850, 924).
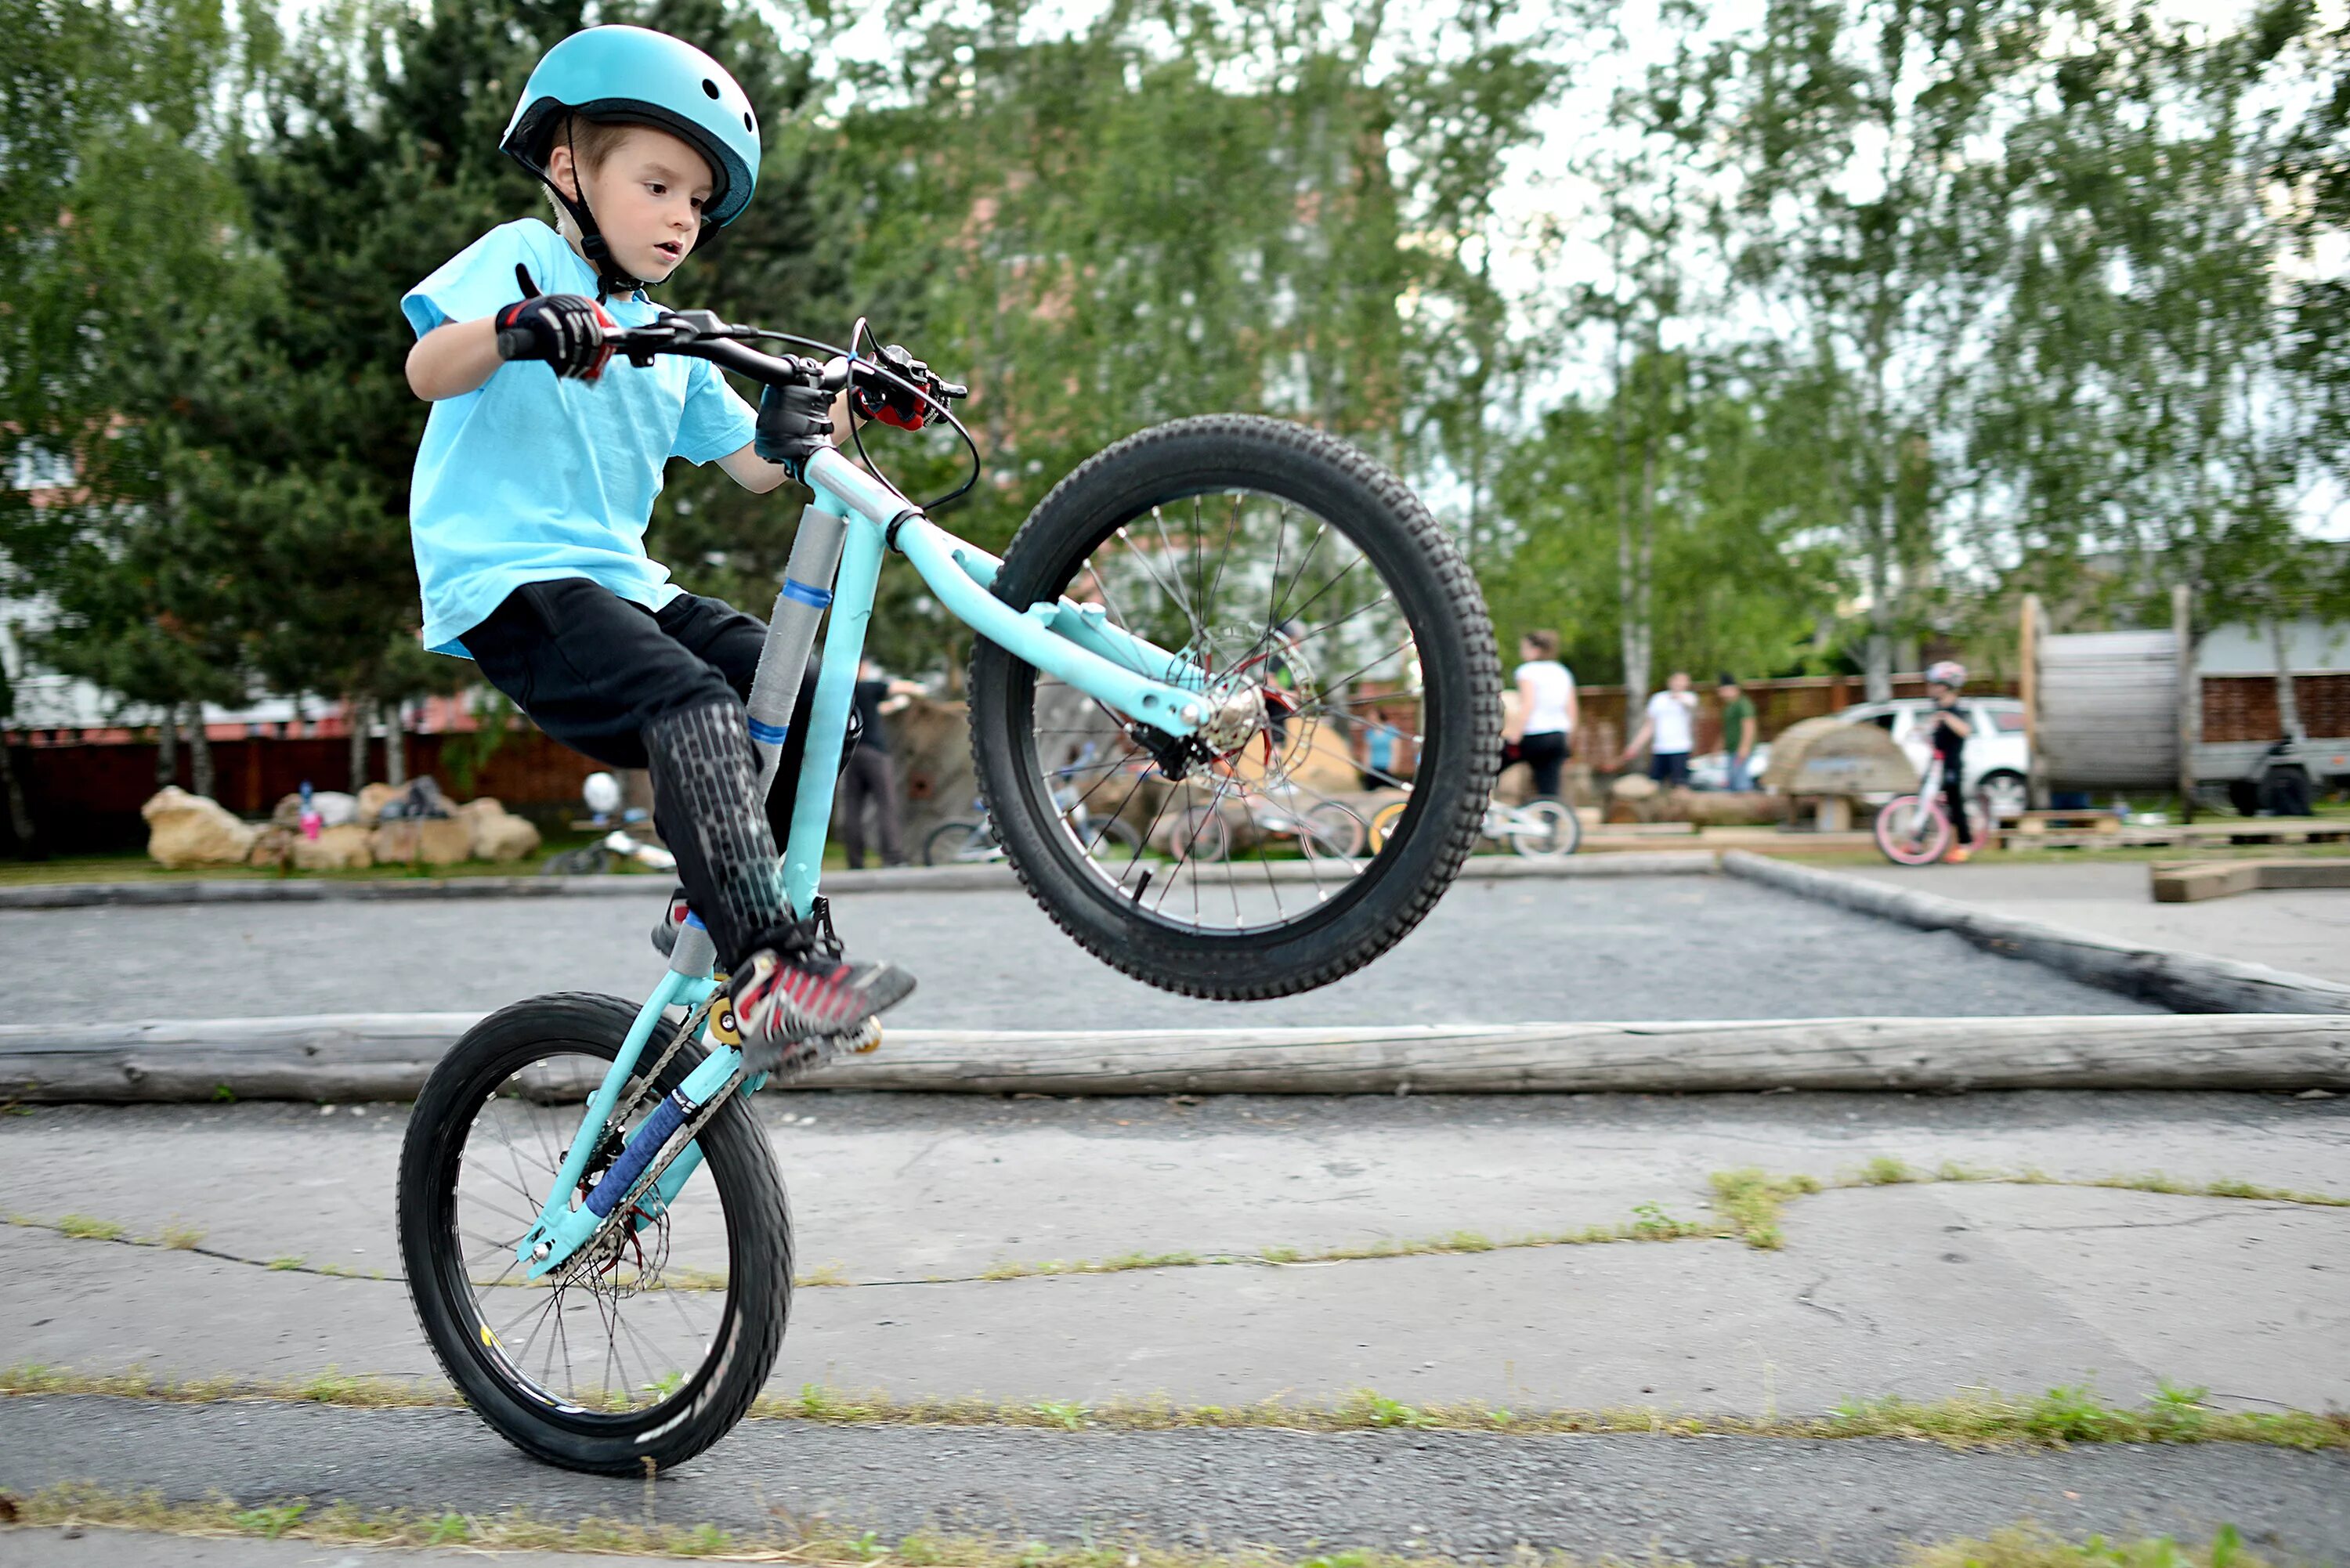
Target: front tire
(1906, 838)
(1315, 638)
(683, 1347)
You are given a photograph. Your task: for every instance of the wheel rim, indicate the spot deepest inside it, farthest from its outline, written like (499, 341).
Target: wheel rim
(632, 1325)
(1911, 832)
(1311, 645)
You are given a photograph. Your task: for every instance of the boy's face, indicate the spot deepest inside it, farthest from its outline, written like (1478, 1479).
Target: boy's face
(648, 197)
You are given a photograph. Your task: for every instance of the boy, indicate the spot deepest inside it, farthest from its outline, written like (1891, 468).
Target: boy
(1947, 731)
(535, 480)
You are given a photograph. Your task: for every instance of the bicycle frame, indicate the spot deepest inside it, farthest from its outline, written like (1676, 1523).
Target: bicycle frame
(836, 565)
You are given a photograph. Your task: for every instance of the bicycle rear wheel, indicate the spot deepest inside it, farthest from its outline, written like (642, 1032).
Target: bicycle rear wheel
(1558, 832)
(650, 1345)
(1321, 598)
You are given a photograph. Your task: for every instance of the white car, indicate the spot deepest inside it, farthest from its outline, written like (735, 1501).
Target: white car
(1998, 761)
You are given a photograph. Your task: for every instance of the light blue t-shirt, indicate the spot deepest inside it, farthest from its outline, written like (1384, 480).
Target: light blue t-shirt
(530, 477)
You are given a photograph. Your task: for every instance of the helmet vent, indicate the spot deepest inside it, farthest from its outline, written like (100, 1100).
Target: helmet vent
(709, 86)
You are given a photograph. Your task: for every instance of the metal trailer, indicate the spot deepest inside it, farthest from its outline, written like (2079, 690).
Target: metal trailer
(2170, 710)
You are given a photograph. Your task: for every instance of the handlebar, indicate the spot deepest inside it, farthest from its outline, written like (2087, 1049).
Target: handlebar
(702, 335)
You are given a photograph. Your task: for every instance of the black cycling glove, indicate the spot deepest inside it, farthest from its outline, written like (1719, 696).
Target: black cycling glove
(569, 331)
(793, 423)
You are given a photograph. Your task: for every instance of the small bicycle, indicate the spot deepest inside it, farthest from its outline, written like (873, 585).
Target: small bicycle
(1538, 830)
(1916, 829)
(1205, 594)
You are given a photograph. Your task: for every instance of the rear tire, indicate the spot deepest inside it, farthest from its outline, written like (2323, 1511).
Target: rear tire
(1221, 478)
(1562, 835)
(953, 844)
(710, 1380)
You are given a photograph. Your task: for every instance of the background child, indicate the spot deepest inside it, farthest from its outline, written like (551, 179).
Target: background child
(1947, 730)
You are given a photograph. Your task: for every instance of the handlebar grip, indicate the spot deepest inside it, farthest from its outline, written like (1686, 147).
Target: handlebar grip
(514, 343)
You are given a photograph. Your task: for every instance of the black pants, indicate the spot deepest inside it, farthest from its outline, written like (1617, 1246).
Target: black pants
(1954, 796)
(869, 776)
(1546, 752)
(593, 670)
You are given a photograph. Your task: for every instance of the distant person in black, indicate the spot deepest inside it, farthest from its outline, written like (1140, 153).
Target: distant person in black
(868, 774)
(1948, 730)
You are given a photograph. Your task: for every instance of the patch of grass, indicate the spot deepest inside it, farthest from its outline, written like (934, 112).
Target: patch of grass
(2024, 1546)
(2060, 1416)
(518, 1530)
(89, 1228)
(1750, 1200)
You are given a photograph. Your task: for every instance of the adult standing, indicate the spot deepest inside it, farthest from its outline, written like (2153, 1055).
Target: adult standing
(1740, 730)
(1671, 725)
(1543, 728)
(869, 774)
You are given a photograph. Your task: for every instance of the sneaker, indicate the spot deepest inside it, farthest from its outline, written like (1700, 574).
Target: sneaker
(794, 1014)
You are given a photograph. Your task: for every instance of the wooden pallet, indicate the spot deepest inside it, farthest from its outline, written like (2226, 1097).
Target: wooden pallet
(2248, 830)
(2038, 823)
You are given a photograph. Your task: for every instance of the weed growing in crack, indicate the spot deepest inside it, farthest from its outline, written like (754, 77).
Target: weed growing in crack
(87, 1228)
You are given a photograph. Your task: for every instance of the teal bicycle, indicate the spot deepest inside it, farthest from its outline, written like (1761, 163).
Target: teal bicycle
(1197, 616)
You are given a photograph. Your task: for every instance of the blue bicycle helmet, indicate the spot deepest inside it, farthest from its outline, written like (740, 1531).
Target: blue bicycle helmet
(633, 75)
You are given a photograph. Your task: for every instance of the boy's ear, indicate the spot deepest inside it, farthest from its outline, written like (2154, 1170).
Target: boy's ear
(563, 170)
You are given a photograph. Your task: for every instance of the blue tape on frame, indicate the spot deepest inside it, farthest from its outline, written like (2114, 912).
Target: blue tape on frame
(800, 593)
(769, 734)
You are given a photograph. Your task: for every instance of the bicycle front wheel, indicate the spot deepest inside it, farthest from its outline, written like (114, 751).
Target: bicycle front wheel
(651, 1343)
(1322, 601)
(1913, 831)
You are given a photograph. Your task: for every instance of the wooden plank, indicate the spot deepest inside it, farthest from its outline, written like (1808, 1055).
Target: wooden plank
(2191, 883)
(387, 1057)
(2185, 881)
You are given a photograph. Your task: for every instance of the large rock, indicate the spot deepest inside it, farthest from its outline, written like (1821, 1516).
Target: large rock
(271, 845)
(1832, 757)
(333, 806)
(426, 840)
(344, 848)
(497, 832)
(371, 800)
(185, 830)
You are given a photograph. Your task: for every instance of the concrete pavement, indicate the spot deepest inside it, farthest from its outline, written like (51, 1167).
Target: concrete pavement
(2305, 931)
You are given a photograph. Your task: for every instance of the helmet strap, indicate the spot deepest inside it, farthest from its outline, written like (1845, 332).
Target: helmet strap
(609, 277)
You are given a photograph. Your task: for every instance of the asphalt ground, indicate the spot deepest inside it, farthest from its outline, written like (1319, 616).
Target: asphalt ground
(1717, 1500)
(1493, 952)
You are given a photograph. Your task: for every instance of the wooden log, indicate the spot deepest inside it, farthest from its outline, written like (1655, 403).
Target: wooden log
(387, 1057)
(2186, 982)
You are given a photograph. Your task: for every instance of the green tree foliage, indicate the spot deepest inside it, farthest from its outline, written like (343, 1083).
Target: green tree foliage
(1743, 572)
